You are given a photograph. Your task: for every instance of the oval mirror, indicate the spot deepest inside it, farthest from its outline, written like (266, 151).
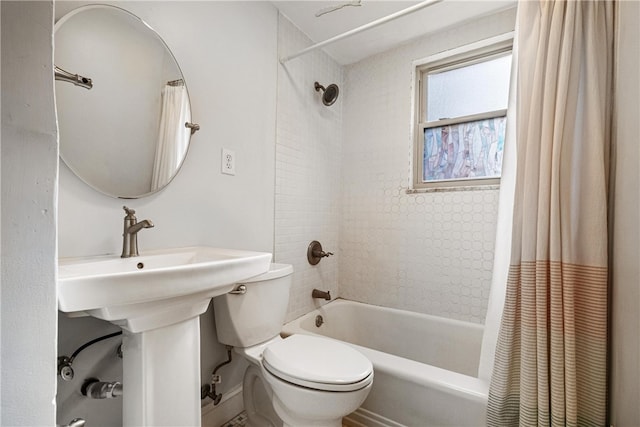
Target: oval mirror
(124, 115)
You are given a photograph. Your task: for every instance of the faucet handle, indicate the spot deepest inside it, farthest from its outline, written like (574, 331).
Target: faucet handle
(130, 212)
(315, 253)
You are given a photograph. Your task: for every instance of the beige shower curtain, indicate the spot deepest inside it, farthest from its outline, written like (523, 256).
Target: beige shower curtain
(173, 136)
(551, 357)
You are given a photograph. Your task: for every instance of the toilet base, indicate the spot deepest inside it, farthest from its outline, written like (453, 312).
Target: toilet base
(300, 406)
(291, 422)
(257, 400)
(265, 409)
(313, 416)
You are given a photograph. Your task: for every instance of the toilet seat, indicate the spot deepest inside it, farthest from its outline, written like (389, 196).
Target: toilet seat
(318, 363)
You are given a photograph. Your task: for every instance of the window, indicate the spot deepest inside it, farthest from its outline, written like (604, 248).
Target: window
(461, 117)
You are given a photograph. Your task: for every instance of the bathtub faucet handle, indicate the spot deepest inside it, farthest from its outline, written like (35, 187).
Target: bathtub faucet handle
(322, 254)
(315, 253)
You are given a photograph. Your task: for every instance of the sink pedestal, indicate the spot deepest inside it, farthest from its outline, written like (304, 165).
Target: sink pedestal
(161, 376)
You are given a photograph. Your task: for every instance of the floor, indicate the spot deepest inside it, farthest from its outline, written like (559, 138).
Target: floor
(239, 420)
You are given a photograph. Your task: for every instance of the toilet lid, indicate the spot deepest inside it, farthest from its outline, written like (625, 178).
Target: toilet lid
(319, 363)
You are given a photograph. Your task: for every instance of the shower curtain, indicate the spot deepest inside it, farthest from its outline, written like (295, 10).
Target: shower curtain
(551, 361)
(173, 136)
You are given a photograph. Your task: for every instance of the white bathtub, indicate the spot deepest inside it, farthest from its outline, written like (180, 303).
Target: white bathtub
(425, 366)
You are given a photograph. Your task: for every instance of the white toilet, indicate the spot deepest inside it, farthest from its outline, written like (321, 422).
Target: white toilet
(301, 380)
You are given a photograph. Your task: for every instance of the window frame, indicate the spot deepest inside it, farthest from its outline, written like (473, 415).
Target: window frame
(457, 58)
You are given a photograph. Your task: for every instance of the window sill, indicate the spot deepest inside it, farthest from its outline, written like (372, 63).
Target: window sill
(457, 188)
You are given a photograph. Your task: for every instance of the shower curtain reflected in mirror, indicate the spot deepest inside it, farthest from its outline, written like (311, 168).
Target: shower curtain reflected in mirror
(173, 136)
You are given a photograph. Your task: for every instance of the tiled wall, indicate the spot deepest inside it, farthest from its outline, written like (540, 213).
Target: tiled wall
(308, 165)
(341, 176)
(425, 252)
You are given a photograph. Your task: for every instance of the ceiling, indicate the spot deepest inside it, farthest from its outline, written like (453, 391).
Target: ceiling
(386, 36)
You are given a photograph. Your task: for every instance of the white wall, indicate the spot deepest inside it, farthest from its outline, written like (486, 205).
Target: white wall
(426, 252)
(29, 180)
(308, 164)
(625, 316)
(227, 52)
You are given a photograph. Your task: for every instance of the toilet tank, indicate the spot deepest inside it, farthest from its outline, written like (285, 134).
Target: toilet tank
(244, 320)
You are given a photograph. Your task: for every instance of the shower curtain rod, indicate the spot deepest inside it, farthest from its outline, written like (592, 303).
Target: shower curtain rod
(364, 27)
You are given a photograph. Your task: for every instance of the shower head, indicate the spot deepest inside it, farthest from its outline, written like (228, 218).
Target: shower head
(330, 93)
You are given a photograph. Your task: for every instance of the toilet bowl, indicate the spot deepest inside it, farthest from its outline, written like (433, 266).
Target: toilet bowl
(300, 380)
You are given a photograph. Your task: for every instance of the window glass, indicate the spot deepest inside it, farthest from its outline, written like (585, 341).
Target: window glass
(469, 150)
(468, 89)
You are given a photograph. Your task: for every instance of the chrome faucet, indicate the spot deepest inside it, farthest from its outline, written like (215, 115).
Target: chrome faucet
(130, 234)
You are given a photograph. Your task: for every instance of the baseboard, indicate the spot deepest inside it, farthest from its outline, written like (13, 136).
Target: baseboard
(230, 405)
(364, 418)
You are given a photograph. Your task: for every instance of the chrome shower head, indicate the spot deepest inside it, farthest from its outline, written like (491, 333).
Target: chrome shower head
(330, 93)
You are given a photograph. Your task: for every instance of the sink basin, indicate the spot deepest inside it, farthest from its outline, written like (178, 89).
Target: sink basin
(116, 289)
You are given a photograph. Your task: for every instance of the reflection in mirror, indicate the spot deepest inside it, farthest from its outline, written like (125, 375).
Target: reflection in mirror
(128, 135)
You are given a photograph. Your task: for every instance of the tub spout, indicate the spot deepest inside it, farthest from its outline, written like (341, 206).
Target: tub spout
(321, 294)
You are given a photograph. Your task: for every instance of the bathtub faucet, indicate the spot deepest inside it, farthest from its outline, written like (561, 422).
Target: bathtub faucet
(321, 294)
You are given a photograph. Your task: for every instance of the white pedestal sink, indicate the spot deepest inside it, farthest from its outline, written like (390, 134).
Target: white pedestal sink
(156, 299)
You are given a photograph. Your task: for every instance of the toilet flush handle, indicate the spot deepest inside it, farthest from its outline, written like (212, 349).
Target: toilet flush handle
(240, 290)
